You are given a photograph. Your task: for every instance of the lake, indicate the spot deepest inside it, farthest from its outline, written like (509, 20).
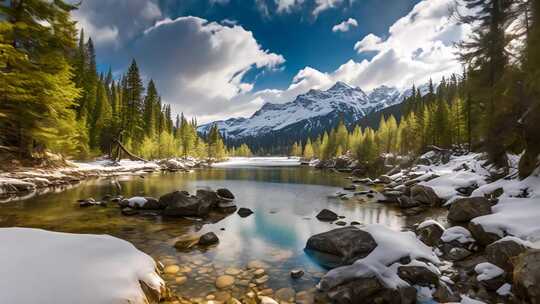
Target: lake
(284, 197)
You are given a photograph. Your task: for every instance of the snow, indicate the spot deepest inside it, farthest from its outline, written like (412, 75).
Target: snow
(505, 290)
(108, 166)
(307, 108)
(137, 202)
(39, 266)
(460, 171)
(466, 300)
(241, 162)
(391, 246)
(457, 233)
(487, 271)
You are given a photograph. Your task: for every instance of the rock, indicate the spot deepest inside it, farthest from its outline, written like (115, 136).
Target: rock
(340, 246)
(406, 202)
(430, 234)
(526, 278)
(502, 252)
(267, 300)
(457, 254)
(86, 202)
(465, 209)
(180, 280)
(233, 271)
(259, 272)
(297, 273)
(341, 223)
(261, 280)
(208, 196)
(171, 269)
(481, 236)
(385, 179)
(327, 215)
(245, 212)
(350, 188)
(180, 203)
(467, 191)
(129, 211)
(255, 264)
(370, 290)
(285, 294)
(418, 275)
(425, 195)
(224, 281)
(186, 242)
(152, 204)
(208, 239)
(354, 223)
(225, 193)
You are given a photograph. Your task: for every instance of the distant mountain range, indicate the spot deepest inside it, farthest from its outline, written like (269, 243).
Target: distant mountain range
(308, 115)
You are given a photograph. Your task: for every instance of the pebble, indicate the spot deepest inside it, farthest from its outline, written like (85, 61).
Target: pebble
(224, 281)
(180, 280)
(261, 280)
(233, 271)
(259, 272)
(171, 269)
(257, 264)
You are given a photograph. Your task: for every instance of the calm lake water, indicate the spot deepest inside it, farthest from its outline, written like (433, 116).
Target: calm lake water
(285, 201)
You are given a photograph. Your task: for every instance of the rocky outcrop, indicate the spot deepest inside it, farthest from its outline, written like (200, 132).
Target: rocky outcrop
(465, 209)
(526, 276)
(340, 246)
(181, 203)
(425, 195)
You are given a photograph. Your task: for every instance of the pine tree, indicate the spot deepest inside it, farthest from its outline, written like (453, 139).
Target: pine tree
(308, 150)
(149, 105)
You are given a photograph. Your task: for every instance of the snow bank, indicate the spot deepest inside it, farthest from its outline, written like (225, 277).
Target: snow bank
(38, 266)
(391, 247)
(515, 216)
(457, 233)
(487, 271)
(137, 202)
(108, 166)
(429, 222)
(241, 162)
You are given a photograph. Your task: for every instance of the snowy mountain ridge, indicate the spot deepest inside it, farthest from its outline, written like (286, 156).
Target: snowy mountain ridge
(310, 113)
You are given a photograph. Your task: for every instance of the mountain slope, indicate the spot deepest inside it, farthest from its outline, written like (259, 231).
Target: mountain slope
(310, 114)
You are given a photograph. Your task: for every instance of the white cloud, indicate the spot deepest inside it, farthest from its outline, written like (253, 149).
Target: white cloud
(419, 46)
(287, 5)
(345, 26)
(199, 65)
(368, 43)
(322, 5)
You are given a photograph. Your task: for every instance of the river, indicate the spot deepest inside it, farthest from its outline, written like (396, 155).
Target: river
(284, 197)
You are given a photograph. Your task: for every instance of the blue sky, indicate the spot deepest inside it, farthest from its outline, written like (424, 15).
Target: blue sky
(216, 59)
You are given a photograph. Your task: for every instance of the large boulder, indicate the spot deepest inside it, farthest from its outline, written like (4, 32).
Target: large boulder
(370, 290)
(208, 239)
(180, 203)
(465, 209)
(526, 276)
(224, 193)
(425, 195)
(340, 246)
(208, 196)
(502, 252)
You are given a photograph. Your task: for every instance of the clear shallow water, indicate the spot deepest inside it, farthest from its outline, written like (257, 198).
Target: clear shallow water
(285, 201)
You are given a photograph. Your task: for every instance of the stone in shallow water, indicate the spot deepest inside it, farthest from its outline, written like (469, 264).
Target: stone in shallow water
(244, 212)
(232, 271)
(180, 280)
(297, 273)
(327, 215)
(224, 281)
(171, 269)
(207, 239)
(261, 280)
(285, 294)
(341, 223)
(257, 264)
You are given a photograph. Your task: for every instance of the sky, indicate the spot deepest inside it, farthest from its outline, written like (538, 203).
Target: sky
(216, 59)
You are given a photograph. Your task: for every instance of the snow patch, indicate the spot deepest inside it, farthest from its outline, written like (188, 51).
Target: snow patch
(457, 233)
(487, 271)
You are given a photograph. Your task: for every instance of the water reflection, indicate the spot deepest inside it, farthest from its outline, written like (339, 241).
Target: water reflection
(284, 200)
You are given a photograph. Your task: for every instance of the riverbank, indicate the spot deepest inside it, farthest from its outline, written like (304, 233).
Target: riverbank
(25, 182)
(486, 250)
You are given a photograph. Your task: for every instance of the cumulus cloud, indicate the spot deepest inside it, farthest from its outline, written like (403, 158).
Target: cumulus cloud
(111, 23)
(287, 5)
(419, 46)
(322, 5)
(199, 66)
(345, 26)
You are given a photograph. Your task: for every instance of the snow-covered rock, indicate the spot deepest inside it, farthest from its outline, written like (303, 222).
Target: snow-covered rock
(39, 266)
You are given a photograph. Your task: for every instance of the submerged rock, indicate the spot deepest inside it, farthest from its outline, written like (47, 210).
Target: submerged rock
(465, 209)
(244, 212)
(297, 273)
(224, 281)
(207, 239)
(340, 246)
(327, 215)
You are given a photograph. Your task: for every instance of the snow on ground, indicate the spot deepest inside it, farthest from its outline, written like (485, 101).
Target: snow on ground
(137, 202)
(38, 266)
(460, 171)
(391, 246)
(242, 162)
(107, 165)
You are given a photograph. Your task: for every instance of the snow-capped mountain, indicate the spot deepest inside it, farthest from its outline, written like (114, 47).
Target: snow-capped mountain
(308, 114)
